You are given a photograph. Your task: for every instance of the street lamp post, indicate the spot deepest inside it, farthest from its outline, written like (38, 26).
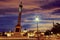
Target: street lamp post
(37, 20)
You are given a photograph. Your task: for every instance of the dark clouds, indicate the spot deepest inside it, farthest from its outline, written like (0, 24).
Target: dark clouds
(30, 10)
(3, 11)
(8, 23)
(4, 0)
(56, 12)
(55, 4)
(50, 18)
(26, 26)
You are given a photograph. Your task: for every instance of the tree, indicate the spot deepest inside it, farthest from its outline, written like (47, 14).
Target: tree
(56, 28)
(48, 32)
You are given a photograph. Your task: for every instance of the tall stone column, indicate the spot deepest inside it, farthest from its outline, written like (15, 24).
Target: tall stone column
(18, 26)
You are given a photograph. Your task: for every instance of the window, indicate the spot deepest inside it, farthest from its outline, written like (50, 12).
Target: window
(17, 29)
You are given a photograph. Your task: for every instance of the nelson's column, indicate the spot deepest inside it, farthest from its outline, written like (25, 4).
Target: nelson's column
(18, 26)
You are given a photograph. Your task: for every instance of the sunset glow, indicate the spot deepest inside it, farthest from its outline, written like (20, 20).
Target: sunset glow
(46, 10)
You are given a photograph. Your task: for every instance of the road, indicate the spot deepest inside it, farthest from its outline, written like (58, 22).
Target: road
(52, 37)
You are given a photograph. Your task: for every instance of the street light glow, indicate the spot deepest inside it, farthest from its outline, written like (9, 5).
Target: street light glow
(8, 34)
(37, 19)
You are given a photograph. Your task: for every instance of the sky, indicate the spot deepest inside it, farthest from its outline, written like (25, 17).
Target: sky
(47, 10)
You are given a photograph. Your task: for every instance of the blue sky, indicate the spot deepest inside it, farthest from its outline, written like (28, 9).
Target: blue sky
(47, 10)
